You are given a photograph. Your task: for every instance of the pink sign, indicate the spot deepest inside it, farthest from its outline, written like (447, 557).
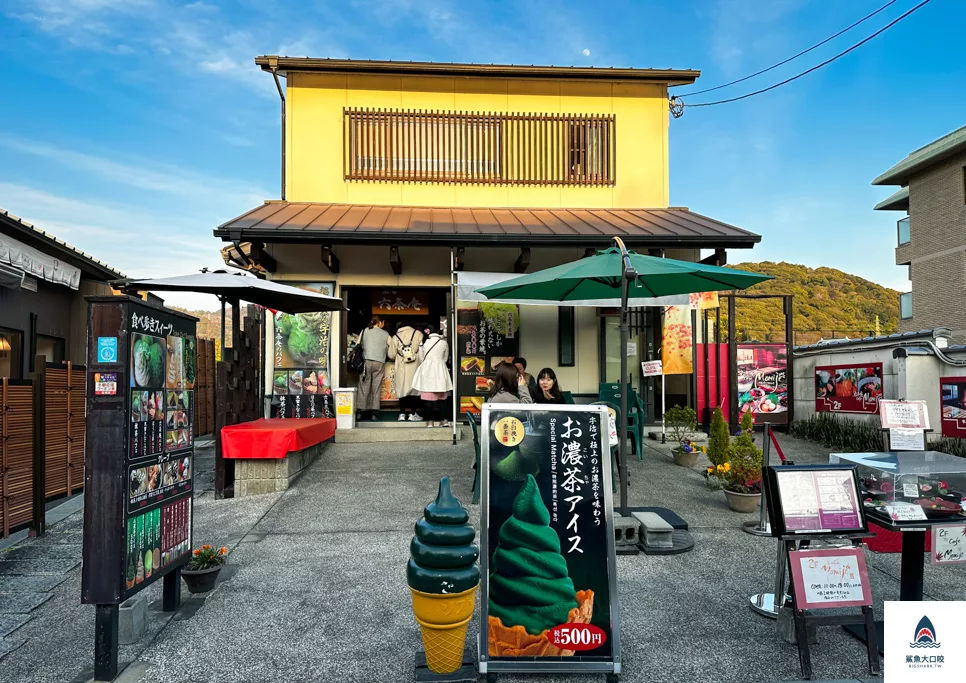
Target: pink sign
(953, 397)
(830, 578)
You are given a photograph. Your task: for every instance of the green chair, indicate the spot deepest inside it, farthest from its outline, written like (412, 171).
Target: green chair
(639, 418)
(476, 447)
(610, 393)
(568, 397)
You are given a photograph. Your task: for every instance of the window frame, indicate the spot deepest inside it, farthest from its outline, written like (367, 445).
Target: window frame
(901, 295)
(899, 241)
(566, 336)
(16, 351)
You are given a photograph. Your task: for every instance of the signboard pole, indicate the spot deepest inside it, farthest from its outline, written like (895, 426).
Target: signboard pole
(105, 642)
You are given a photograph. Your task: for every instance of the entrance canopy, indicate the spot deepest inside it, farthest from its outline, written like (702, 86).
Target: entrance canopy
(468, 282)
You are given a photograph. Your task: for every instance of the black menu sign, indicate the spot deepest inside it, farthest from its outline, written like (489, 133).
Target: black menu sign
(140, 448)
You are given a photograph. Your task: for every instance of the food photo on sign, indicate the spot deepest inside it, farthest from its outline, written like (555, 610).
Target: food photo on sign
(763, 380)
(547, 582)
(953, 399)
(848, 388)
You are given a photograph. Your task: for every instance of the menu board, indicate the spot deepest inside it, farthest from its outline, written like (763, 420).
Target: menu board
(848, 388)
(160, 455)
(139, 447)
(903, 415)
(762, 381)
(549, 589)
(301, 346)
(813, 499)
(952, 394)
(487, 334)
(830, 578)
(949, 544)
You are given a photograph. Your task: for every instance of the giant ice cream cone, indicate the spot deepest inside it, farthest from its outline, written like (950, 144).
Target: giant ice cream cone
(530, 589)
(443, 577)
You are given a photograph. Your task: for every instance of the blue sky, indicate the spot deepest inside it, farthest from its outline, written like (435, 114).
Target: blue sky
(131, 128)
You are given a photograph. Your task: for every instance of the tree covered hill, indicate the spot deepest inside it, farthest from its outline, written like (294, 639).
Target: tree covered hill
(827, 303)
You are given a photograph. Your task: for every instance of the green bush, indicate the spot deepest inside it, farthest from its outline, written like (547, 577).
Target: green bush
(838, 434)
(719, 442)
(745, 474)
(950, 445)
(680, 422)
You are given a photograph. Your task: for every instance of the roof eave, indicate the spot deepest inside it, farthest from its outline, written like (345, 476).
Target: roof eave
(904, 170)
(898, 201)
(670, 77)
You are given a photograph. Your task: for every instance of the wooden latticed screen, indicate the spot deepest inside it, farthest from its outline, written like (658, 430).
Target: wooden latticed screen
(479, 147)
(205, 388)
(66, 389)
(16, 454)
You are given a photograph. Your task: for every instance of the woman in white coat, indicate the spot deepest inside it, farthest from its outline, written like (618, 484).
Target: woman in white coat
(432, 379)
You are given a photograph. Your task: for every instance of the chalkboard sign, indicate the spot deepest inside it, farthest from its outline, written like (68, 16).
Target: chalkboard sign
(549, 588)
(139, 459)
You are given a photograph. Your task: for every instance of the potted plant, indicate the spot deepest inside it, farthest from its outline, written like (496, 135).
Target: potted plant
(742, 482)
(202, 570)
(719, 441)
(680, 422)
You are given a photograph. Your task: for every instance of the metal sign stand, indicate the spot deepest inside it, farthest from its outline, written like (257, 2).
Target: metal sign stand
(764, 603)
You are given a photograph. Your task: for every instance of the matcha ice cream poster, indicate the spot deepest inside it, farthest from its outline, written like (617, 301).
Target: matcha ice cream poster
(549, 544)
(301, 345)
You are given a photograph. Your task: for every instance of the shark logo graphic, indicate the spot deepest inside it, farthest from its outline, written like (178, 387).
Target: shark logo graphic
(925, 634)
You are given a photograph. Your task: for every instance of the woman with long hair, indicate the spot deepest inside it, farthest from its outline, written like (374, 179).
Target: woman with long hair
(432, 379)
(375, 343)
(509, 386)
(548, 391)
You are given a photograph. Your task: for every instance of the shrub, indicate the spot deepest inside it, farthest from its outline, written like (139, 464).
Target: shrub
(680, 422)
(843, 435)
(950, 445)
(745, 474)
(719, 442)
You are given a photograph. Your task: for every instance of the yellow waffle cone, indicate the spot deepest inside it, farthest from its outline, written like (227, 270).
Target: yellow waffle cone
(442, 618)
(444, 645)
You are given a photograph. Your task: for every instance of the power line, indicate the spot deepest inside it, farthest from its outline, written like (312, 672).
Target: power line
(677, 106)
(803, 52)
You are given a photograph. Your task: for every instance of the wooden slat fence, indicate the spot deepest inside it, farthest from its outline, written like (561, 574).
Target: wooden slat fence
(205, 388)
(66, 389)
(16, 454)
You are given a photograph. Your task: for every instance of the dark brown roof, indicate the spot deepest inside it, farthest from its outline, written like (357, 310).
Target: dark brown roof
(367, 66)
(279, 221)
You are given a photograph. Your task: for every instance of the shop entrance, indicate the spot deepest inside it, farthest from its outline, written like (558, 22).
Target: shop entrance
(398, 306)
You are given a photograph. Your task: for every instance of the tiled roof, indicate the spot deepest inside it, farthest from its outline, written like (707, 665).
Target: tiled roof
(86, 261)
(895, 337)
(924, 157)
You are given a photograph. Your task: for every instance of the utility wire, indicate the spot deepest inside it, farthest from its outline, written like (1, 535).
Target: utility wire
(676, 102)
(803, 52)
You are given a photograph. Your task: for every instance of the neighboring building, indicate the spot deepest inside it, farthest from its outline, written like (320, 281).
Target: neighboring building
(43, 282)
(932, 237)
(392, 172)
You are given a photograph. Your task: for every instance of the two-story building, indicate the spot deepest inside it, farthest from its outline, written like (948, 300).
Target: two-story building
(932, 235)
(395, 175)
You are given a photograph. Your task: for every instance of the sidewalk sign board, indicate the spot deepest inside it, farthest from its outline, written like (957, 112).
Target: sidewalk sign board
(549, 589)
(814, 499)
(949, 544)
(139, 460)
(830, 578)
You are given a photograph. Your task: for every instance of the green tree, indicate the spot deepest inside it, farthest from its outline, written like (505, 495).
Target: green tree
(719, 441)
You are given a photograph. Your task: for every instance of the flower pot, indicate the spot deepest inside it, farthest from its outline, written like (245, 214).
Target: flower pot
(685, 459)
(200, 580)
(742, 502)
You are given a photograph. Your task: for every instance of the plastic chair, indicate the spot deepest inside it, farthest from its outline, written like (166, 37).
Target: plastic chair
(639, 417)
(610, 393)
(568, 398)
(476, 447)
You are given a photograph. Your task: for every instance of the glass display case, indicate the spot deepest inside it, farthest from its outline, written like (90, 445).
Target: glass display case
(893, 485)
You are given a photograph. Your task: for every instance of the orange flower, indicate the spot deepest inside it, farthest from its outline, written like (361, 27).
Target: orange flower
(223, 550)
(197, 552)
(206, 546)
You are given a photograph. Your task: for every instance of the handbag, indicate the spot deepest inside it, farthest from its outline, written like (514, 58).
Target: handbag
(357, 357)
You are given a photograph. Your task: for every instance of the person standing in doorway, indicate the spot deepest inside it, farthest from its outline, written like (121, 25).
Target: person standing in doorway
(432, 379)
(404, 350)
(375, 342)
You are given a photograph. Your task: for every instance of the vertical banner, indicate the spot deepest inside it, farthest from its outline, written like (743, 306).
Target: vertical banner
(676, 352)
(952, 394)
(763, 382)
(549, 590)
(301, 379)
(848, 388)
(486, 335)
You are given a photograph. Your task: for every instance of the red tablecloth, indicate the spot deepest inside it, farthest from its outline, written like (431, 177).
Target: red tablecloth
(274, 438)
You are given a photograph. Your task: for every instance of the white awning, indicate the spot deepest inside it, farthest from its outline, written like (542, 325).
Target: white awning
(468, 282)
(38, 264)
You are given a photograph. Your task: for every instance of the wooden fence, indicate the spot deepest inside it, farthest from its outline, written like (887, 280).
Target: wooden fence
(205, 388)
(16, 454)
(66, 391)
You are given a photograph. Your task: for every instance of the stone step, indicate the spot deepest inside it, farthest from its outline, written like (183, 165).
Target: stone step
(383, 432)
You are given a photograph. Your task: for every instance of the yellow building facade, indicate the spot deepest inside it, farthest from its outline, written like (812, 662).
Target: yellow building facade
(397, 174)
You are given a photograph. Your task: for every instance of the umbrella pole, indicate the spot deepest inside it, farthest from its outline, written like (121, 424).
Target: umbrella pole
(627, 273)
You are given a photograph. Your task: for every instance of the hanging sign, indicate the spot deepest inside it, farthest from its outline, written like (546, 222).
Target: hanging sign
(301, 346)
(763, 382)
(549, 590)
(903, 414)
(830, 578)
(949, 544)
(652, 368)
(487, 334)
(414, 302)
(907, 439)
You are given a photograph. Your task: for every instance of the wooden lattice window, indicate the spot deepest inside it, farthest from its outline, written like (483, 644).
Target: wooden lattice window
(460, 147)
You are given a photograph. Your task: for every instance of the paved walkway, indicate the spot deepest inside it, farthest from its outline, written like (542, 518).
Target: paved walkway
(316, 586)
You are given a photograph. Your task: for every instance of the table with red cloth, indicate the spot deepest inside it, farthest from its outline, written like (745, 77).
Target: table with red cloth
(274, 438)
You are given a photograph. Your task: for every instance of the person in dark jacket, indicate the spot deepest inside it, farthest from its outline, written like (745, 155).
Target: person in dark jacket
(521, 364)
(509, 386)
(548, 391)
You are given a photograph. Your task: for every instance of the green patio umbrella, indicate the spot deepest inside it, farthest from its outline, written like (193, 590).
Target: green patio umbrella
(617, 272)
